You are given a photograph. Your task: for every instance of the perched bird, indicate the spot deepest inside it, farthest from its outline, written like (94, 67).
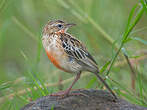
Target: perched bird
(67, 53)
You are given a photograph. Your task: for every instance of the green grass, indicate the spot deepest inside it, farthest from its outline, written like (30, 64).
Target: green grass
(110, 29)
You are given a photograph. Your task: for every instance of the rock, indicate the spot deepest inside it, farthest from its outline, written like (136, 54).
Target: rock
(90, 100)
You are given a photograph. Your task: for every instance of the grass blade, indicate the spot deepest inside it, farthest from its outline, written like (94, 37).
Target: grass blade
(126, 34)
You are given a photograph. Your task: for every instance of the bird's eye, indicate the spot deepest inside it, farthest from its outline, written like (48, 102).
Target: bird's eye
(60, 26)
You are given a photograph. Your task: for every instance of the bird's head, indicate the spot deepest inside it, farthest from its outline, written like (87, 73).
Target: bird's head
(56, 26)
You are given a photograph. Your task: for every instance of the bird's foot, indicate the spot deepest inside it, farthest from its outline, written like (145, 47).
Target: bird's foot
(63, 94)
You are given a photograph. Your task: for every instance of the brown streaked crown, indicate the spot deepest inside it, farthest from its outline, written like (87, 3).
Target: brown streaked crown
(56, 26)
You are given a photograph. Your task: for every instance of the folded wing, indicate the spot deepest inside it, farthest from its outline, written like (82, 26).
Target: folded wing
(75, 49)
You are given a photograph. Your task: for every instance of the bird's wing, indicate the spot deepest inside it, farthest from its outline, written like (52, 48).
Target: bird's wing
(75, 49)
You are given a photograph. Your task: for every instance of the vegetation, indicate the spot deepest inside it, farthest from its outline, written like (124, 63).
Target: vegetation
(114, 32)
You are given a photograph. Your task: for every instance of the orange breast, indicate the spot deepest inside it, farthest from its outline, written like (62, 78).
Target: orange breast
(53, 60)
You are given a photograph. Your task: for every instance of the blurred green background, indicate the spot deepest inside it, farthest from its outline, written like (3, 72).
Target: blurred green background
(100, 23)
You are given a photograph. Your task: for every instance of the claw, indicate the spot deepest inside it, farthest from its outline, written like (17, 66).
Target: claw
(64, 94)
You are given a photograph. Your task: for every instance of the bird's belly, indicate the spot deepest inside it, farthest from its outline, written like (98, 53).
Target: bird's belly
(71, 66)
(62, 61)
(55, 58)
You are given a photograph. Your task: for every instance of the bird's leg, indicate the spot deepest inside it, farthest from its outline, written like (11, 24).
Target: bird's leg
(66, 92)
(75, 80)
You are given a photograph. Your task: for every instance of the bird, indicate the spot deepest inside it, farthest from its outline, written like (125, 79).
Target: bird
(67, 53)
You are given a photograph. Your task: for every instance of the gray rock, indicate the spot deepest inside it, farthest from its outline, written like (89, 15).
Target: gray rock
(90, 100)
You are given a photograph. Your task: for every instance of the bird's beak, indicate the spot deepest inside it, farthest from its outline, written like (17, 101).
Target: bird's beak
(70, 25)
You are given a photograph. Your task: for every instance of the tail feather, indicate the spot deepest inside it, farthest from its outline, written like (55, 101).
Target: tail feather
(105, 84)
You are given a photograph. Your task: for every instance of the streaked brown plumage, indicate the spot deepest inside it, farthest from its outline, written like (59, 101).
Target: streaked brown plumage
(67, 53)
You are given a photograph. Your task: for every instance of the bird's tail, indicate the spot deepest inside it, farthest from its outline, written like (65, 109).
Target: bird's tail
(105, 84)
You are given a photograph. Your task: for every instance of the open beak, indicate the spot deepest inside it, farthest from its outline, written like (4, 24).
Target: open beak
(70, 25)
